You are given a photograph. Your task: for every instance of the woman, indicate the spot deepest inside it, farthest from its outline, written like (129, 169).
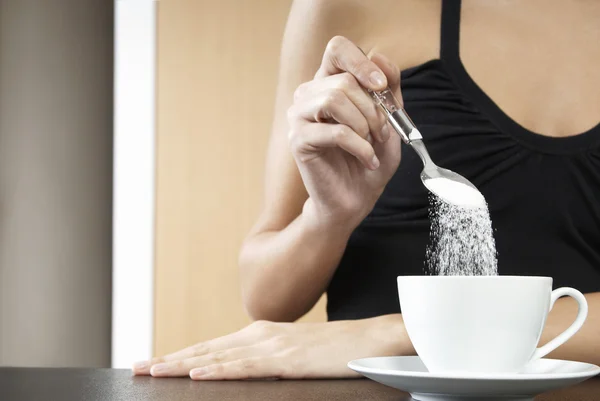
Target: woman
(515, 111)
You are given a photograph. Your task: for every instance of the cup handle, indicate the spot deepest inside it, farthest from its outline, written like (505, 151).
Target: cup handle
(568, 333)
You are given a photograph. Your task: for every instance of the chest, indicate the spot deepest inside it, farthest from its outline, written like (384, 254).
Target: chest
(539, 64)
(538, 61)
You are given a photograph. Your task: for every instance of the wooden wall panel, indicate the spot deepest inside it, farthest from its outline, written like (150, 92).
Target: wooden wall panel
(217, 71)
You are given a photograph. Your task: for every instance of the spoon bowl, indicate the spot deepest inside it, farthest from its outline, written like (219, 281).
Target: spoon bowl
(446, 184)
(443, 183)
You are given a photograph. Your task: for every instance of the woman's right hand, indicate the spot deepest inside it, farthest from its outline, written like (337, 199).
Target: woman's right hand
(345, 150)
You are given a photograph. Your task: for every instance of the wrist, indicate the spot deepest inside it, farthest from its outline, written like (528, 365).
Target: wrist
(340, 224)
(390, 332)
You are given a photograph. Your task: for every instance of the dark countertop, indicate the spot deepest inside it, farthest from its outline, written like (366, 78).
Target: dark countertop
(32, 384)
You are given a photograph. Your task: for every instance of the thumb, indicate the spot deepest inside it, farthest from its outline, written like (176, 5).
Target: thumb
(392, 73)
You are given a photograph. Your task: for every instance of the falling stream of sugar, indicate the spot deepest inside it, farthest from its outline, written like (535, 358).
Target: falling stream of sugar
(461, 238)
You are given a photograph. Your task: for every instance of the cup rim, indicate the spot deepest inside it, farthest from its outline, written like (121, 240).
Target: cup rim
(475, 278)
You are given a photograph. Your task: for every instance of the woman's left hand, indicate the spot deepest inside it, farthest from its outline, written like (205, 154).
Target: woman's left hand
(285, 350)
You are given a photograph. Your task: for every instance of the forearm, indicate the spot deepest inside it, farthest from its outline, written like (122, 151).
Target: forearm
(388, 335)
(585, 344)
(285, 272)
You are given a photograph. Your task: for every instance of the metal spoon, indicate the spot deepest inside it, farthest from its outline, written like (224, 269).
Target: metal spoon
(409, 133)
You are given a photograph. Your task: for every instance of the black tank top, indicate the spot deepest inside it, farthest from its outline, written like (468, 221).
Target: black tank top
(543, 192)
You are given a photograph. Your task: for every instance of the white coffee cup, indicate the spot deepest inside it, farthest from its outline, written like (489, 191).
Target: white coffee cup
(481, 324)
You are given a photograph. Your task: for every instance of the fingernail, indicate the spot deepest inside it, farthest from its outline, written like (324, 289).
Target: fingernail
(143, 365)
(385, 132)
(369, 139)
(377, 78)
(159, 369)
(198, 373)
(375, 162)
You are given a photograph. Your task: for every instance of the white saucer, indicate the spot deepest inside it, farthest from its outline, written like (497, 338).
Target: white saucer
(408, 373)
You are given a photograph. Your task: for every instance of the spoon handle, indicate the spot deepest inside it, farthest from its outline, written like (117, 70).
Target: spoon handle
(396, 115)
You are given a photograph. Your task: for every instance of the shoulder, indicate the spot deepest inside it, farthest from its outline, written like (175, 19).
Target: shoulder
(407, 31)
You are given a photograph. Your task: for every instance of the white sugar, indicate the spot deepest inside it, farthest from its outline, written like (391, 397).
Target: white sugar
(461, 239)
(455, 192)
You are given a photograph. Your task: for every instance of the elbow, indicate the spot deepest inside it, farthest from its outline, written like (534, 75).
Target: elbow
(262, 297)
(258, 303)
(257, 310)
(245, 265)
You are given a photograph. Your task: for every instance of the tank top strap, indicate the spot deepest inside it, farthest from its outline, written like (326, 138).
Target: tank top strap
(450, 30)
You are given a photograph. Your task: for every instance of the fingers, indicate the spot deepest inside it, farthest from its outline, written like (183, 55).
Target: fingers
(347, 65)
(330, 106)
(183, 367)
(341, 55)
(236, 339)
(311, 137)
(341, 98)
(242, 369)
(260, 359)
(392, 73)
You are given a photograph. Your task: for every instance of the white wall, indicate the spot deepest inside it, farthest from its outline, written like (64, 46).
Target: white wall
(134, 160)
(56, 145)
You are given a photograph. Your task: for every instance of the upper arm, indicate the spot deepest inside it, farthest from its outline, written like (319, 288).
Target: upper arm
(311, 24)
(387, 26)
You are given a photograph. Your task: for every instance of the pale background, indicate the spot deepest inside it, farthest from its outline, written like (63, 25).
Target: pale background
(216, 74)
(56, 142)
(132, 146)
